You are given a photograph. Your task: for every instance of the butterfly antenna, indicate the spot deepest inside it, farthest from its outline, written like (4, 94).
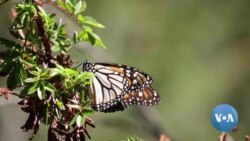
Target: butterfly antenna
(77, 66)
(81, 52)
(84, 54)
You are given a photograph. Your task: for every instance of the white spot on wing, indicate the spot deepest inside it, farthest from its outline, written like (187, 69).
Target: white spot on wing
(134, 81)
(140, 94)
(155, 94)
(135, 74)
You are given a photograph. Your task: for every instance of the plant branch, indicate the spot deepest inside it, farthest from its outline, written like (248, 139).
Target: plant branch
(6, 93)
(153, 120)
(3, 2)
(44, 38)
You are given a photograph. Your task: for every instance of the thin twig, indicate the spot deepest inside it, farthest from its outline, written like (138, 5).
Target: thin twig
(3, 2)
(6, 93)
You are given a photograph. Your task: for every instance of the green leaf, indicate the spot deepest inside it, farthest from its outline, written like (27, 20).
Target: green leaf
(100, 43)
(69, 6)
(83, 96)
(22, 75)
(80, 120)
(75, 37)
(12, 80)
(16, 35)
(73, 2)
(16, 76)
(40, 91)
(78, 8)
(61, 4)
(42, 11)
(49, 87)
(80, 18)
(36, 73)
(54, 72)
(73, 119)
(10, 56)
(60, 105)
(8, 43)
(95, 39)
(32, 88)
(56, 46)
(28, 61)
(84, 6)
(92, 39)
(21, 20)
(44, 74)
(59, 67)
(31, 80)
(6, 68)
(88, 112)
(71, 72)
(73, 106)
(24, 92)
(90, 21)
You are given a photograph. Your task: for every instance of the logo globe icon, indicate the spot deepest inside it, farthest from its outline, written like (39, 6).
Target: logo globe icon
(224, 117)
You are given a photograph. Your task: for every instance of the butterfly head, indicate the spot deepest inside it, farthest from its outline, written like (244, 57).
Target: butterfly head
(87, 66)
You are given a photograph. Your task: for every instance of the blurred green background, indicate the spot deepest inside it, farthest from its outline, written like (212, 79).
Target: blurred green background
(197, 51)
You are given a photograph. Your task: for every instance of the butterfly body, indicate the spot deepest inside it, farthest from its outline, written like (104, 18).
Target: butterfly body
(115, 87)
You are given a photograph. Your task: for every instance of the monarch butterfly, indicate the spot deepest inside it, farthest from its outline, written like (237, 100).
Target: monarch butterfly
(115, 87)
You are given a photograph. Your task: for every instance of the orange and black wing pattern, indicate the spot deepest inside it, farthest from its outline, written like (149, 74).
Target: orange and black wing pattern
(116, 87)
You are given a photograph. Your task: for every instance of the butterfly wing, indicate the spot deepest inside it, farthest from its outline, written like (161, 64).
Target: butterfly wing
(147, 97)
(116, 87)
(136, 78)
(118, 107)
(107, 87)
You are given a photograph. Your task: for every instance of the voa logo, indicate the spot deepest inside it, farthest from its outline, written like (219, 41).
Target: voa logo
(224, 117)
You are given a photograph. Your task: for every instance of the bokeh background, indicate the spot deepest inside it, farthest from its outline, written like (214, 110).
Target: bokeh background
(197, 51)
